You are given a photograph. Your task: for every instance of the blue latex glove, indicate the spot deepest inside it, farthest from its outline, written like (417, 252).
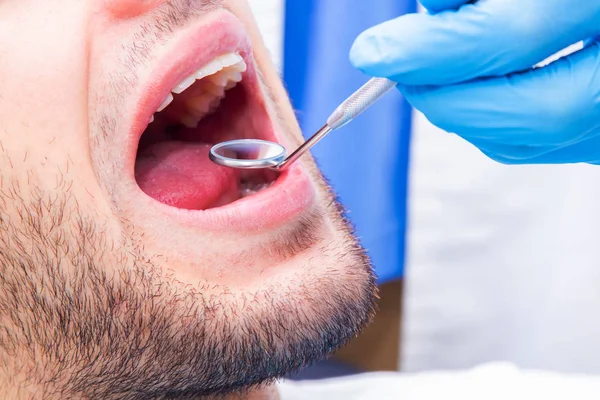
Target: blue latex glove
(469, 69)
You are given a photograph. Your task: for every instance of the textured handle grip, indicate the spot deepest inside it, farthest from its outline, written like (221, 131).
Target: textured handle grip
(359, 101)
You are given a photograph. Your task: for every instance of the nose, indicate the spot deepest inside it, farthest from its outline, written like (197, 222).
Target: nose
(125, 9)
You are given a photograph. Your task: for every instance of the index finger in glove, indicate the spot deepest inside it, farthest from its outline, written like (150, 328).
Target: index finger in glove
(487, 38)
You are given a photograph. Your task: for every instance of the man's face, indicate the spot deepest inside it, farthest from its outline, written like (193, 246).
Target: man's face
(131, 266)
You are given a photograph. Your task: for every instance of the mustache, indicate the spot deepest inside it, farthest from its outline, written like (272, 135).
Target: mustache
(175, 14)
(160, 25)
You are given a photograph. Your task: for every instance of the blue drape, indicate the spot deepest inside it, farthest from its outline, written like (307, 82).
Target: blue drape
(366, 161)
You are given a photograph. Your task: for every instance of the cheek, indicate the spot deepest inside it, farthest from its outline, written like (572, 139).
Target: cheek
(43, 90)
(242, 10)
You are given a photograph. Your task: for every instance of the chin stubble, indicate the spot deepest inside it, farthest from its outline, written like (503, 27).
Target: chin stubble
(87, 316)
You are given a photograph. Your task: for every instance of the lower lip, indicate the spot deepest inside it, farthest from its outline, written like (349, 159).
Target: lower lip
(290, 196)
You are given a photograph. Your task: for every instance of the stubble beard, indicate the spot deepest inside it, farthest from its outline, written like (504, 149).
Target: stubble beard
(71, 328)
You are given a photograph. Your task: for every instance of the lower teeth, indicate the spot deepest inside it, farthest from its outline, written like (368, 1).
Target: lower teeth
(249, 188)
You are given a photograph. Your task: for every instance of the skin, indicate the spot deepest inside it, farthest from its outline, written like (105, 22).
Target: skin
(101, 299)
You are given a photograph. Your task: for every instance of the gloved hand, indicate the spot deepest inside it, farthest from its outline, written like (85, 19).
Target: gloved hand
(469, 69)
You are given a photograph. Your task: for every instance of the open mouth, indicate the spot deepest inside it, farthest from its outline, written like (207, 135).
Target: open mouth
(204, 88)
(219, 101)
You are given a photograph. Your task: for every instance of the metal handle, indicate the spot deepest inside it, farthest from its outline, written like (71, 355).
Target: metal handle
(353, 106)
(359, 101)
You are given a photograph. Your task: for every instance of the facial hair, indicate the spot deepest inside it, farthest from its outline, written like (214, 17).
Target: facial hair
(71, 328)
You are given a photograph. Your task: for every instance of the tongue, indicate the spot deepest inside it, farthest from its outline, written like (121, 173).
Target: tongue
(181, 175)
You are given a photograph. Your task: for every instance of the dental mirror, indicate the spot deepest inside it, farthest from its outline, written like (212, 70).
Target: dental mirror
(248, 154)
(256, 153)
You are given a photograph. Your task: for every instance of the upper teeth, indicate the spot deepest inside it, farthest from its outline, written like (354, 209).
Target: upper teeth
(165, 102)
(186, 83)
(232, 60)
(224, 73)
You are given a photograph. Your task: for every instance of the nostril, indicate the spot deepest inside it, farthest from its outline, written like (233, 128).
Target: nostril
(125, 9)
